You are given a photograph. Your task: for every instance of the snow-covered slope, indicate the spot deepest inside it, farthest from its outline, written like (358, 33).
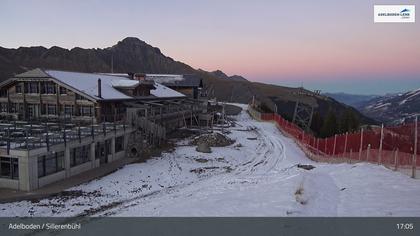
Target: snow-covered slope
(393, 109)
(257, 178)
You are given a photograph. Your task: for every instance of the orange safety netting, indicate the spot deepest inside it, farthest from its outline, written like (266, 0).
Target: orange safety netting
(365, 145)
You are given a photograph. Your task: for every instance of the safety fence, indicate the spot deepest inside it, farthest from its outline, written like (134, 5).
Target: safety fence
(394, 147)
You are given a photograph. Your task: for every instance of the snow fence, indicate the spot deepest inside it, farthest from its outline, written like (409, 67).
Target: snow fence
(394, 147)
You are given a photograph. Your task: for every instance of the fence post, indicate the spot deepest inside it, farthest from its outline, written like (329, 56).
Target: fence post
(380, 145)
(368, 153)
(335, 143)
(361, 144)
(345, 144)
(415, 149)
(317, 145)
(325, 145)
(351, 153)
(396, 159)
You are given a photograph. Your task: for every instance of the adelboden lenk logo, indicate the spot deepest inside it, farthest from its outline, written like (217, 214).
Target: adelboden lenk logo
(394, 13)
(405, 13)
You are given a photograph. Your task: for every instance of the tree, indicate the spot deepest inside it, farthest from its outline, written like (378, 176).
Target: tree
(349, 121)
(330, 125)
(317, 123)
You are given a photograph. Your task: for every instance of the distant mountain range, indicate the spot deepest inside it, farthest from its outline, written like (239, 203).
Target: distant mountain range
(350, 99)
(393, 108)
(134, 55)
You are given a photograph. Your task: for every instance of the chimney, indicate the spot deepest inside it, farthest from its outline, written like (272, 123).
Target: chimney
(140, 76)
(99, 88)
(131, 75)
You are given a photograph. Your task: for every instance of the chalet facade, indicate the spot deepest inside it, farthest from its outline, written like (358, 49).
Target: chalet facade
(49, 94)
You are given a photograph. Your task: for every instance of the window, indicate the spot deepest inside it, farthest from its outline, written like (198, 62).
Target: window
(49, 109)
(51, 163)
(31, 87)
(79, 155)
(120, 109)
(63, 91)
(85, 110)
(100, 150)
(13, 107)
(3, 93)
(108, 146)
(49, 88)
(119, 144)
(18, 88)
(3, 107)
(69, 110)
(32, 110)
(9, 168)
(20, 107)
(16, 107)
(52, 109)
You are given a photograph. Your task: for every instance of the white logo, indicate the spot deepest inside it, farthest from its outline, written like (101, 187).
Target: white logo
(394, 13)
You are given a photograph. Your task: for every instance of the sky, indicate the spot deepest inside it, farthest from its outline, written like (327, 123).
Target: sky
(329, 45)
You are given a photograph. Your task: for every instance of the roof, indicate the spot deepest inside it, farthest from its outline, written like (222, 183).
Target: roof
(170, 80)
(162, 91)
(88, 83)
(35, 73)
(175, 80)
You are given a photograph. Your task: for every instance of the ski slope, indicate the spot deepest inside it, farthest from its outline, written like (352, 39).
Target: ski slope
(259, 177)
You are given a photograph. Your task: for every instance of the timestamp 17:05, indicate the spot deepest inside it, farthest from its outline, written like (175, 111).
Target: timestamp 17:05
(405, 226)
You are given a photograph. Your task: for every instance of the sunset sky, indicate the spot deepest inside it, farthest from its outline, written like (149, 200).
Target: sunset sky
(328, 45)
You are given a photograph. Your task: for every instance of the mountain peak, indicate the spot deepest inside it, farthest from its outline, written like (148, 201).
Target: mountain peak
(220, 74)
(132, 40)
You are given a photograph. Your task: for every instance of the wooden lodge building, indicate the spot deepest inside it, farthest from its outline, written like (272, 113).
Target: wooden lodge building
(50, 94)
(57, 124)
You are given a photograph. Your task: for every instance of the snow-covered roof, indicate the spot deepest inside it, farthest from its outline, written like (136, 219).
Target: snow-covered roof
(163, 91)
(88, 83)
(164, 78)
(125, 83)
(175, 80)
(169, 80)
